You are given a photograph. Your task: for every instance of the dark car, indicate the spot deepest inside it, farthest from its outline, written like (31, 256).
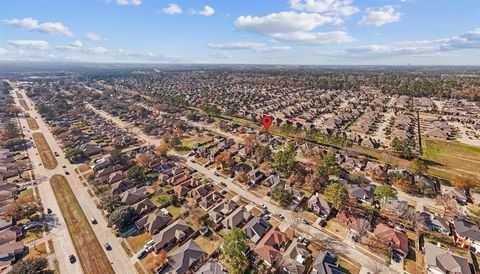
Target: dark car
(66, 172)
(72, 259)
(142, 254)
(107, 246)
(49, 210)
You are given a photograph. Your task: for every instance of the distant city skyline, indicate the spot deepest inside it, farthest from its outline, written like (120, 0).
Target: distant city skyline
(303, 32)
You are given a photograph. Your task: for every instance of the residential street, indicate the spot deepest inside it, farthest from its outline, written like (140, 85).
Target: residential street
(117, 256)
(309, 230)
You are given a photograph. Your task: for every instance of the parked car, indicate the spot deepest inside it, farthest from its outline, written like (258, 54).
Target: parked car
(56, 154)
(149, 243)
(49, 211)
(72, 259)
(66, 172)
(31, 225)
(108, 246)
(142, 254)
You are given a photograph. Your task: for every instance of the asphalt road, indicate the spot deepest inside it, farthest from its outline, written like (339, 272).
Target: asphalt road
(313, 232)
(117, 256)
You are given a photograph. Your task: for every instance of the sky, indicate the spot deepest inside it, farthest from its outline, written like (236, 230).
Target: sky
(302, 32)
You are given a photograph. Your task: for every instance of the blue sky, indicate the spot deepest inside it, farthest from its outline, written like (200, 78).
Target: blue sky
(322, 32)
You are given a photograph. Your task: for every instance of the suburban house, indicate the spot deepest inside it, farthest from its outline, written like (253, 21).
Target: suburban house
(187, 259)
(397, 240)
(439, 260)
(211, 266)
(271, 246)
(256, 228)
(467, 234)
(295, 257)
(319, 206)
(326, 263)
(172, 234)
(154, 221)
(218, 213)
(236, 218)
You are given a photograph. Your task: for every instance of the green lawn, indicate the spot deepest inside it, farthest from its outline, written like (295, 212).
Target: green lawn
(26, 193)
(160, 200)
(175, 210)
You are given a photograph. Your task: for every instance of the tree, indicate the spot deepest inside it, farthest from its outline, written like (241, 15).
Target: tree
(403, 148)
(163, 149)
(329, 160)
(11, 131)
(336, 194)
(144, 159)
(242, 177)
(31, 266)
(23, 207)
(225, 160)
(314, 181)
(75, 155)
(419, 166)
(116, 155)
(234, 250)
(284, 161)
(137, 174)
(174, 140)
(464, 182)
(110, 202)
(122, 217)
(385, 193)
(263, 153)
(250, 142)
(363, 227)
(161, 258)
(282, 195)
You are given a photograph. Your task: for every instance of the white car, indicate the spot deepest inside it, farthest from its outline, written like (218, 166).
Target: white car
(149, 244)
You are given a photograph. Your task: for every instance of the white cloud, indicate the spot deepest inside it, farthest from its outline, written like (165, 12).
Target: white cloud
(34, 44)
(293, 27)
(3, 51)
(221, 55)
(334, 7)
(47, 27)
(237, 45)
(97, 50)
(468, 40)
(380, 17)
(258, 47)
(93, 36)
(207, 11)
(129, 2)
(172, 9)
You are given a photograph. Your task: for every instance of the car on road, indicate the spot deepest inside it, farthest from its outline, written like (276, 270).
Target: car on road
(66, 172)
(215, 173)
(93, 221)
(223, 184)
(107, 246)
(72, 258)
(49, 211)
(39, 164)
(56, 154)
(64, 166)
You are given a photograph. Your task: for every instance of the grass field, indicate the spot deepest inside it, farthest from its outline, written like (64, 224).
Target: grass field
(46, 154)
(32, 124)
(90, 252)
(23, 104)
(138, 241)
(450, 158)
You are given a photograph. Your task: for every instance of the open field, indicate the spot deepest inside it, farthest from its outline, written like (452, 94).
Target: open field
(46, 154)
(23, 104)
(90, 252)
(452, 157)
(32, 124)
